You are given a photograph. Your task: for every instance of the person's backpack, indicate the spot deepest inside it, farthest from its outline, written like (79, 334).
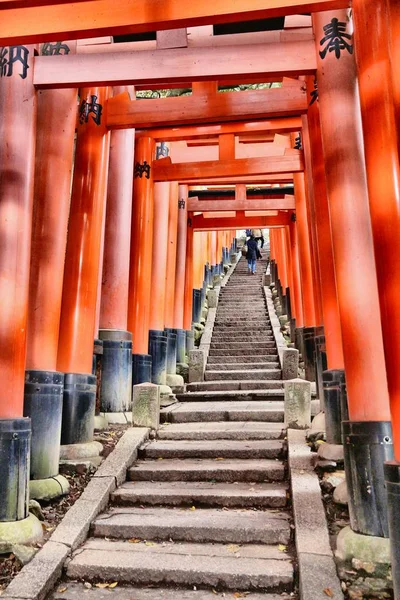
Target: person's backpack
(244, 250)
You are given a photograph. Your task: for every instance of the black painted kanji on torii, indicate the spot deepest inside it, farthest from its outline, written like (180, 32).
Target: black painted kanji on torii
(297, 142)
(93, 107)
(142, 169)
(335, 39)
(181, 203)
(314, 93)
(9, 56)
(50, 49)
(162, 150)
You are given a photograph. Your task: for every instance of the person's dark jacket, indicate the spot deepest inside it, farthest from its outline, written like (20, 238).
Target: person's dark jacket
(252, 248)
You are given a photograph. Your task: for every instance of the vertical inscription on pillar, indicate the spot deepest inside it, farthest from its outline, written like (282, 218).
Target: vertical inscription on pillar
(181, 204)
(314, 92)
(14, 56)
(93, 107)
(335, 39)
(297, 143)
(142, 169)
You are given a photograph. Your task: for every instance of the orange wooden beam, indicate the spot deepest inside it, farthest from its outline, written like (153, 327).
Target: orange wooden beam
(281, 202)
(277, 178)
(164, 170)
(106, 17)
(239, 222)
(194, 132)
(176, 64)
(122, 112)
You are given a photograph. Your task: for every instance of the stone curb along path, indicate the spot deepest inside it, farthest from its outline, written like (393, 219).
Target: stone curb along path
(318, 579)
(37, 578)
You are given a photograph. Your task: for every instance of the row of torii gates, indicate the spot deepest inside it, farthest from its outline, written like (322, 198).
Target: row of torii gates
(323, 146)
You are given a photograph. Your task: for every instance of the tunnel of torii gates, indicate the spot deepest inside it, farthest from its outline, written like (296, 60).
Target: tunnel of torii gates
(87, 270)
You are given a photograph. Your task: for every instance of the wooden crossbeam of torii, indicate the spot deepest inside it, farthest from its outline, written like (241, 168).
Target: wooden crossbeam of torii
(194, 132)
(32, 21)
(164, 170)
(240, 221)
(289, 59)
(284, 202)
(122, 112)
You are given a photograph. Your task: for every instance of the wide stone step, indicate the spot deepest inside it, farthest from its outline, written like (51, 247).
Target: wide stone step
(255, 345)
(236, 385)
(212, 449)
(239, 333)
(240, 324)
(265, 358)
(202, 493)
(242, 366)
(239, 351)
(222, 430)
(241, 375)
(208, 525)
(227, 339)
(193, 469)
(228, 410)
(253, 567)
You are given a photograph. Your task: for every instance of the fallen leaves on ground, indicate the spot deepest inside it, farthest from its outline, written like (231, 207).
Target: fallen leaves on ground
(282, 548)
(328, 592)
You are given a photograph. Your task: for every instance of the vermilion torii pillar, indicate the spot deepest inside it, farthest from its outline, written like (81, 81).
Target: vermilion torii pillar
(56, 121)
(332, 329)
(141, 257)
(368, 404)
(158, 338)
(372, 36)
(116, 379)
(180, 273)
(188, 306)
(82, 264)
(17, 164)
(294, 251)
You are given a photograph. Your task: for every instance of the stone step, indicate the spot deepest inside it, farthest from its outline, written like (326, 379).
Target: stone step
(242, 366)
(239, 333)
(228, 410)
(239, 351)
(227, 339)
(160, 449)
(265, 358)
(202, 493)
(253, 567)
(222, 430)
(205, 525)
(77, 591)
(255, 374)
(235, 385)
(245, 324)
(241, 313)
(254, 345)
(193, 469)
(235, 390)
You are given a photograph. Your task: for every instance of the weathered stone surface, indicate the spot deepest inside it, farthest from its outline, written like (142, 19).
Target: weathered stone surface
(81, 451)
(253, 567)
(258, 410)
(334, 479)
(206, 493)
(123, 455)
(366, 548)
(77, 591)
(200, 469)
(27, 531)
(182, 369)
(212, 298)
(318, 423)
(299, 453)
(237, 430)
(318, 578)
(340, 495)
(47, 489)
(331, 452)
(290, 363)
(206, 525)
(196, 365)
(297, 404)
(212, 449)
(146, 405)
(38, 577)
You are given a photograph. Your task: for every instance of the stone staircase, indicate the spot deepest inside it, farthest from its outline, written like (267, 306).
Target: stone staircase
(204, 510)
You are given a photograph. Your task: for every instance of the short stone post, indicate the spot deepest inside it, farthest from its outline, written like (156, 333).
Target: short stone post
(146, 405)
(212, 298)
(196, 366)
(297, 404)
(266, 280)
(290, 363)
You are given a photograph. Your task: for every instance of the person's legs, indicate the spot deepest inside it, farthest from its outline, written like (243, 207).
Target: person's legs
(253, 266)
(249, 261)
